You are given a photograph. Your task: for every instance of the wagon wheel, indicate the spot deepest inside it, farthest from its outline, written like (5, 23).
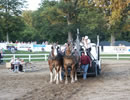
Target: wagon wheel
(28, 66)
(96, 70)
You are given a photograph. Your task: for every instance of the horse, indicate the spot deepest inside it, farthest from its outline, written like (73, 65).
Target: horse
(69, 61)
(55, 62)
(76, 55)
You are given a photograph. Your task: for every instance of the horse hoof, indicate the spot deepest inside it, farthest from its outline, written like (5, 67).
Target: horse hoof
(72, 81)
(50, 82)
(61, 81)
(57, 82)
(66, 82)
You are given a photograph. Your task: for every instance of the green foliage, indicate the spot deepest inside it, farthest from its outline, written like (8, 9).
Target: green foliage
(11, 21)
(55, 19)
(92, 22)
(52, 22)
(116, 12)
(25, 52)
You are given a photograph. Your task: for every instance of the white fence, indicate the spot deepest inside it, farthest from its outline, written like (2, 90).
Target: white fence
(26, 56)
(115, 56)
(31, 57)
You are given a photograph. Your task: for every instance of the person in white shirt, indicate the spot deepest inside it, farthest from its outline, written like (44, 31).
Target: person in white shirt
(87, 44)
(16, 65)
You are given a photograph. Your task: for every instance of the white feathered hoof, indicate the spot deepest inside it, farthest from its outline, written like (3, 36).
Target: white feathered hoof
(57, 82)
(61, 81)
(54, 80)
(76, 79)
(50, 82)
(72, 81)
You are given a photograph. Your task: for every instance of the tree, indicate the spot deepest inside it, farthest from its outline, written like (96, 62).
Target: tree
(49, 22)
(9, 10)
(52, 18)
(114, 11)
(84, 15)
(92, 22)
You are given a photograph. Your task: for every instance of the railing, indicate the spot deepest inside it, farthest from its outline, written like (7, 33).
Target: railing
(28, 57)
(115, 56)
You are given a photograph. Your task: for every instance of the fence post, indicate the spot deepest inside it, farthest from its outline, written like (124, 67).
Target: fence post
(14, 56)
(29, 57)
(45, 57)
(117, 56)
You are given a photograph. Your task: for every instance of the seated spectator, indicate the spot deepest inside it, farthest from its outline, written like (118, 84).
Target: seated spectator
(21, 65)
(16, 65)
(12, 63)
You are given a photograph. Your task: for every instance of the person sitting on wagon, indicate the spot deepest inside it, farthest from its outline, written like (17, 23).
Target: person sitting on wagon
(85, 62)
(87, 44)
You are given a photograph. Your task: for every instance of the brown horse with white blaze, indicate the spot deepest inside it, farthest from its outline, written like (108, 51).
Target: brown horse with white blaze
(55, 62)
(69, 61)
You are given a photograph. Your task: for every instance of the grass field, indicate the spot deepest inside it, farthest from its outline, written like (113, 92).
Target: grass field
(26, 56)
(24, 52)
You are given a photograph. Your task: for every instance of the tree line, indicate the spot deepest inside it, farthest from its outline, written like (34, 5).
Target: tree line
(57, 21)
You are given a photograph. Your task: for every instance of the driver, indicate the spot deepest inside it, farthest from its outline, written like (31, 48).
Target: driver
(85, 62)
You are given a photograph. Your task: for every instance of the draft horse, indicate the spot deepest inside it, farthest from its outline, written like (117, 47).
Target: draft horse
(55, 63)
(69, 61)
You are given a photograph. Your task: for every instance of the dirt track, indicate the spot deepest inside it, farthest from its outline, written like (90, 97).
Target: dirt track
(113, 83)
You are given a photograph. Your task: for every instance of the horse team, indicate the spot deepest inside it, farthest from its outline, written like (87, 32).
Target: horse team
(62, 61)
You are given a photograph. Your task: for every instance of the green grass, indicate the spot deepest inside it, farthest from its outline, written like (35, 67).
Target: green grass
(108, 55)
(24, 52)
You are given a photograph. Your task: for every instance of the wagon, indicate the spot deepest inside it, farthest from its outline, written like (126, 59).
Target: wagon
(95, 69)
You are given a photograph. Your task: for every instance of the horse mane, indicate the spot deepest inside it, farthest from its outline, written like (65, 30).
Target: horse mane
(68, 51)
(52, 53)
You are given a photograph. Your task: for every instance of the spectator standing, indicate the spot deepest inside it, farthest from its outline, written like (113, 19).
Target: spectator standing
(1, 56)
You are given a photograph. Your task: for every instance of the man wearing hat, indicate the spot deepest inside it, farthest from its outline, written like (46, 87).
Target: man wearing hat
(87, 44)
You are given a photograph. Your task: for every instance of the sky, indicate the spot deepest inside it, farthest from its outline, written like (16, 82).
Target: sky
(33, 4)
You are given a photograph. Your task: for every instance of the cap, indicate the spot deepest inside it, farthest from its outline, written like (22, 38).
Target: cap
(86, 37)
(81, 44)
